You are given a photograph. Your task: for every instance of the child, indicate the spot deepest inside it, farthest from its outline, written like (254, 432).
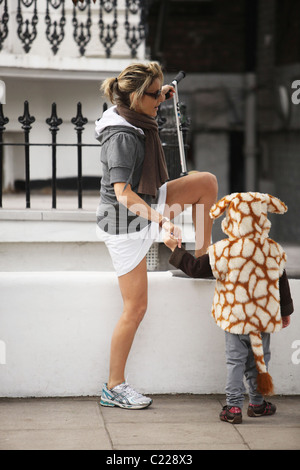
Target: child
(252, 297)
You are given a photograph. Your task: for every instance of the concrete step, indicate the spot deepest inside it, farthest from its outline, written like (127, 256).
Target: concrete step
(66, 240)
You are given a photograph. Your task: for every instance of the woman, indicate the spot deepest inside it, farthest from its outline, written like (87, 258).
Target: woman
(135, 197)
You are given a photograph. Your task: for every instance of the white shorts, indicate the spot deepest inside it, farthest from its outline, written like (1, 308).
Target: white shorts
(128, 250)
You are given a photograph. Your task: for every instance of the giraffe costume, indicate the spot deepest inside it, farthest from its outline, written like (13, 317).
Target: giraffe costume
(247, 267)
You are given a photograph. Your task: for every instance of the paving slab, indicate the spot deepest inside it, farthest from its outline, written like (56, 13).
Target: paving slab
(173, 422)
(52, 424)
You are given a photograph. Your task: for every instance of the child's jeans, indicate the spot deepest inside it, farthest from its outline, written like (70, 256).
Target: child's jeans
(240, 362)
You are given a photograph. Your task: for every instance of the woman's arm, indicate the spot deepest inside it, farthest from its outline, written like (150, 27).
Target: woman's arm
(138, 206)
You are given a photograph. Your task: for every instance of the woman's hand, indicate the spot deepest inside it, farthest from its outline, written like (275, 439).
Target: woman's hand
(138, 206)
(168, 88)
(173, 236)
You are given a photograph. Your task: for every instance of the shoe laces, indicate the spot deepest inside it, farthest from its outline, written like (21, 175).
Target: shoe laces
(129, 391)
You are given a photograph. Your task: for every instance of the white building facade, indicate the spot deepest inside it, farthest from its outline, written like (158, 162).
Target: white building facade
(55, 52)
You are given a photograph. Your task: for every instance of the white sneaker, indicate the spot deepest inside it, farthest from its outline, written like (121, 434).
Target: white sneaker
(124, 396)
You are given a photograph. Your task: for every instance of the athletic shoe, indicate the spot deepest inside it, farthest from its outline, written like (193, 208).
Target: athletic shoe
(124, 396)
(231, 414)
(266, 409)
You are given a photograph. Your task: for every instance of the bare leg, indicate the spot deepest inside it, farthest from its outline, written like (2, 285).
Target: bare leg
(134, 289)
(195, 189)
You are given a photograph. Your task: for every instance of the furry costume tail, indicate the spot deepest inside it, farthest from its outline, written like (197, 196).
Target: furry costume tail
(264, 380)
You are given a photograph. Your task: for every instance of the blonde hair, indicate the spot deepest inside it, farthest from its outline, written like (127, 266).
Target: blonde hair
(136, 78)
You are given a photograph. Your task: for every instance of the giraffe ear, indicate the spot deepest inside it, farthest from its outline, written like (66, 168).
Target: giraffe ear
(275, 205)
(220, 207)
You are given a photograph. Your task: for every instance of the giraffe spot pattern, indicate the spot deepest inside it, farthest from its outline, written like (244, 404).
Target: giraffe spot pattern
(247, 265)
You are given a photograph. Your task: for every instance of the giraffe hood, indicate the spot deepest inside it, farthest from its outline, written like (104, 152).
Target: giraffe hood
(247, 267)
(246, 214)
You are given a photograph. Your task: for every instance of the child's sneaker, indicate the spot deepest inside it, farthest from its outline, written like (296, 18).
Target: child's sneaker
(231, 414)
(266, 409)
(124, 396)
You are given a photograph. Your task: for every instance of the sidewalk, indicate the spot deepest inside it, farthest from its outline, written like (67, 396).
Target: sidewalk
(173, 422)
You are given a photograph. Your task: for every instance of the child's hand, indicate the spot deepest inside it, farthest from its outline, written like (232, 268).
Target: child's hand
(285, 321)
(170, 241)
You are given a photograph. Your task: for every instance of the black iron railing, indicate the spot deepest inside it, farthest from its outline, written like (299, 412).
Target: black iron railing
(56, 21)
(53, 122)
(168, 136)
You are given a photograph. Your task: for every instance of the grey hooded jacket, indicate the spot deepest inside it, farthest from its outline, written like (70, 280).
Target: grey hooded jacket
(122, 157)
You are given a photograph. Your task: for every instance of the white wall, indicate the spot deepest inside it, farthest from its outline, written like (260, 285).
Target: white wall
(56, 328)
(68, 51)
(65, 78)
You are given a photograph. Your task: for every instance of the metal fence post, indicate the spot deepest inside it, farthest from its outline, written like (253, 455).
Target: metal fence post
(79, 122)
(27, 120)
(54, 122)
(3, 122)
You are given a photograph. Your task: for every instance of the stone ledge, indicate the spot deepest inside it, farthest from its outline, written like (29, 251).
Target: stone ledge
(54, 225)
(54, 214)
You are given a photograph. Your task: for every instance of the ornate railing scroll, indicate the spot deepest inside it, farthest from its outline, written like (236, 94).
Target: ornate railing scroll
(108, 32)
(55, 31)
(135, 33)
(3, 22)
(27, 29)
(82, 31)
(59, 13)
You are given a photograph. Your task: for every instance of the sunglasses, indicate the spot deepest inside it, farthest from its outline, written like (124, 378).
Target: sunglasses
(155, 95)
